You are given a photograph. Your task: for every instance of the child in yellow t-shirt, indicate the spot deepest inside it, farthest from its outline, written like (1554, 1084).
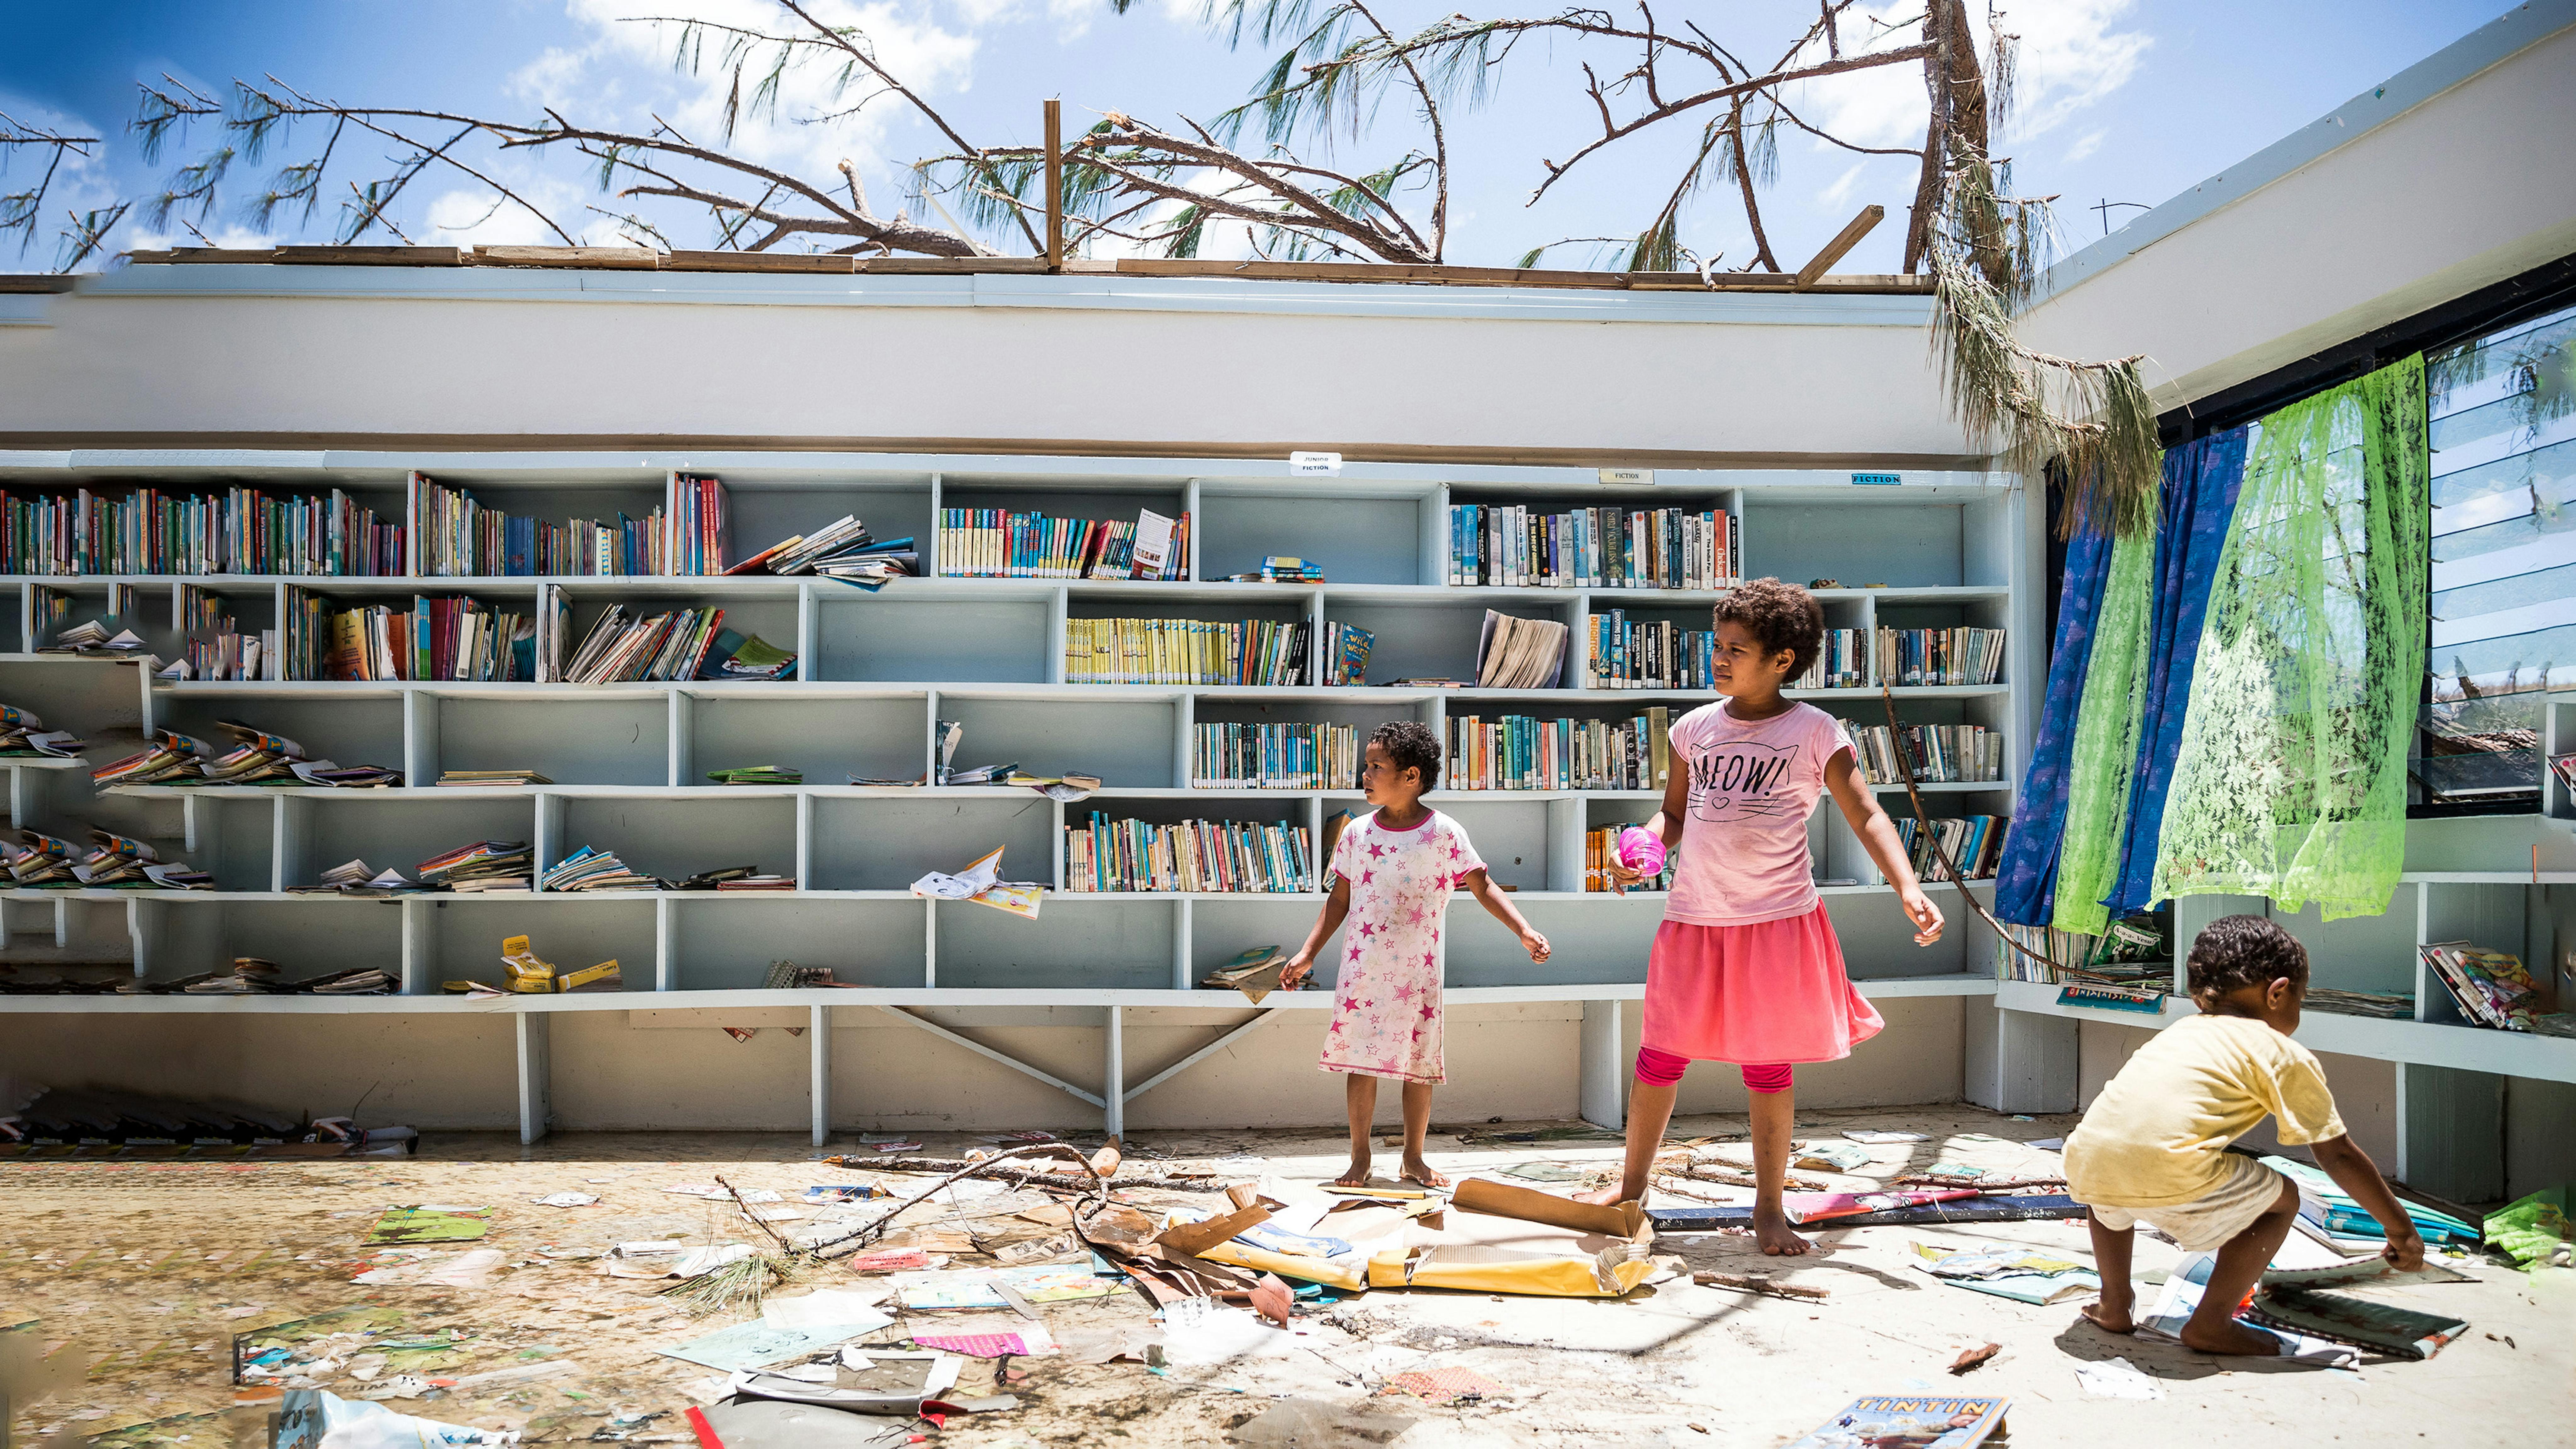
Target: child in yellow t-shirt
(2153, 1146)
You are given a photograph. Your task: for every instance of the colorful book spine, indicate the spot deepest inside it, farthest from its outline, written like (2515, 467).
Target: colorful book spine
(1196, 856)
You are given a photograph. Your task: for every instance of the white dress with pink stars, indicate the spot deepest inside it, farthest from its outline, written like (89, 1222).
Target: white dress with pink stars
(1386, 1000)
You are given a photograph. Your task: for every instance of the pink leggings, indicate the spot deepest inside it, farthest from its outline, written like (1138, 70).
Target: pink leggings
(1663, 1069)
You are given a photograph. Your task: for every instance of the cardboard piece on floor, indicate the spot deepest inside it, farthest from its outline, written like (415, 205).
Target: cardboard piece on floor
(1484, 1268)
(1386, 1194)
(1196, 1238)
(770, 1424)
(1502, 1200)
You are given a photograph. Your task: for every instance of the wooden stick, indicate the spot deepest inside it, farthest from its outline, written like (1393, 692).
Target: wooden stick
(1932, 837)
(1055, 185)
(1756, 1283)
(752, 1218)
(1843, 242)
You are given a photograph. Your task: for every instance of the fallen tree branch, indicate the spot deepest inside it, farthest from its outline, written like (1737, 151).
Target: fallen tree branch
(858, 1237)
(1756, 1283)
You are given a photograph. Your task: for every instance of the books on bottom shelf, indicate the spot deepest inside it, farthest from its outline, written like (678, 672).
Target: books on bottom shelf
(1601, 851)
(1517, 653)
(1973, 843)
(2492, 989)
(1275, 757)
(1190, 855)
(1518, 752)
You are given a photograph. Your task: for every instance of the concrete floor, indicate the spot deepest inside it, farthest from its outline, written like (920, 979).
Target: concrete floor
(137, 1275)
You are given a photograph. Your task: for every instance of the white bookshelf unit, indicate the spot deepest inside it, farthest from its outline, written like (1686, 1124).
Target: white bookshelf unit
(874, 672)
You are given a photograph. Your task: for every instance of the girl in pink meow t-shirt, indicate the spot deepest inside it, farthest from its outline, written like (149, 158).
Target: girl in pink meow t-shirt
(1745, 967)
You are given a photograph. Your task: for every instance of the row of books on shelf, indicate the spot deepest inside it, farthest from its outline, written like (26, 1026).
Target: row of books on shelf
(1185, 651)
(628, 645)
(2493, 989)
(254, 757)
(1939, 754)
(237, 531)
(1188, 855)
(1973, 843)
(1913, 657)
(113, 862)
(998, 543)
(460, 537)
(1607, 547)
(1601, 851)
(1275, 757)
(1519, 752)
(1840, 662)
(1650, 654)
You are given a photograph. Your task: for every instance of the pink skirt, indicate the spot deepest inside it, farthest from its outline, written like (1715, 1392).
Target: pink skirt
(1773, 991)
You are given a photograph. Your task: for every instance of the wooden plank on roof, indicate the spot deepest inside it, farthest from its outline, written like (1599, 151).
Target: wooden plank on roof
(223, 254)
(34, 282)
(630, 258)
(947, 266)
(756, 262)
(373, 256)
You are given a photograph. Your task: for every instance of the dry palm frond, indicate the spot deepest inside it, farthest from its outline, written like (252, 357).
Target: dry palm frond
(736, 1287)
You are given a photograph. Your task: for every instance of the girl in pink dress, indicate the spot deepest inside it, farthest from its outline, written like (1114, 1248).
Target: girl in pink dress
(1745, 968)
(1393, 871)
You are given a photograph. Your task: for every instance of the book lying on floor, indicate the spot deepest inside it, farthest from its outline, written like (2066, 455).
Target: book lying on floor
(1910, 1421)
(2009, 1270)
(2330, 1208)
(2180, 1299)
(2381, 1327)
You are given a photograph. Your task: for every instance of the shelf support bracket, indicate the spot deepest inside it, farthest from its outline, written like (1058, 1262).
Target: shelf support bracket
(1231, 1036)
(981, 1050)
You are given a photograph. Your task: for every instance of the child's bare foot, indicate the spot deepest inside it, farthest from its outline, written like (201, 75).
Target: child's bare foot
(1609, 1196)
(2110, 1317)
(1771, 1226)
(1357, 1175)
(1417, 1170)
(2230, 1336)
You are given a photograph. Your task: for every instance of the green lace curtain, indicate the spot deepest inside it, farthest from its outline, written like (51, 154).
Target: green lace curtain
(2291, 779)
(2106, 739)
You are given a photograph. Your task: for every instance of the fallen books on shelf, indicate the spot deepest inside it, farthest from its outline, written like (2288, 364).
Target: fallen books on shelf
(589, 869)
(2491, 988)
(627, 646)
(253, 976)
(475, 779)
(1255, 973)
(23, 736)
(483, 865)
(1517, 653)
(735, 878)
(114, 862)
(735, 657)
(1280, 568)
(1518, 752)
(2386, 1005)
(528, 974)
(1188, 855)
(257, 758)
(758, 775)
(357, 878)
(92, 640)
(982, 883)
(1275, 757)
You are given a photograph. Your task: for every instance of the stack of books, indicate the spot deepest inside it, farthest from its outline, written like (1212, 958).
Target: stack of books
(93, 640)
(461, 538)
(483, 865)
(1650, 654)
(1940, 754)
(2386, 1005)
(587, 869)
(1191, 855)
(736, 878)
(797, 552)
(1517, 653)
(1184, 651)
(1841, 663)
(996, 543)
(170, 759)
(357, 878)
(22, 735)
(1346, 654)
(626, 646)
(1909, 657)
(1518, 752)
(2491, 988)
(1974, 843)
(474, 779)
(2065, 951)
(1601, 851)
(114, 862)
(1275, 757)
(759, 775)
(239, 531)
(1279, 568)
(1598, 548)
(873, 566)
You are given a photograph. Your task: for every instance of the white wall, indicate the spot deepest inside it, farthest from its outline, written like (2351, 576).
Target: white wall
(2450, 177)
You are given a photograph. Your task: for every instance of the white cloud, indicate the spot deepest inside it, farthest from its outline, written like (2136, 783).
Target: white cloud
(1832, 197)
(2085, 145)
(549, 79)
(2070, 54)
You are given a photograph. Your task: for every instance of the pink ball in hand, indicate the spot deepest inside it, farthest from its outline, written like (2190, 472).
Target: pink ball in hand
(1642, 850)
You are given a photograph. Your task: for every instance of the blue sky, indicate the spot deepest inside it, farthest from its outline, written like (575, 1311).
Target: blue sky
(2126, 101)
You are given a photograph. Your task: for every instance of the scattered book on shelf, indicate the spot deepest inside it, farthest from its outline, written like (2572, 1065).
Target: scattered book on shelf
(758, 775)
(530, 974)
(1517, 653)
(1840, 662)
(1255, 973)
(1066, 788)
(1188, 855)
(981, 883)
(1601, 851)
(589, 869)
(997, 543)
(979, 775)
(1518, 752)
(735, 657)
(475, 779)
(91, 640)
(357, 878)
(1346, 653)
(735, 878)
(788, 976)
(2386, 1005)
(628, 646)
(1911, 657)
(798, 551)
(257, 758)
(1184, 651)
(1939, 754)
(114, 862)
(238, 531)
(459, 537)
(478, 866)
(24, 736)
(1281, 569)
(1650, 654)
(1275, 757)
(2491, 988)
(1661, 548)
(1975, 843)
(884, 782)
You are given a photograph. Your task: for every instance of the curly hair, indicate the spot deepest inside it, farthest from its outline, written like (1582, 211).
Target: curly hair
(1410, 745)
(1779, 616)
(2241, 951)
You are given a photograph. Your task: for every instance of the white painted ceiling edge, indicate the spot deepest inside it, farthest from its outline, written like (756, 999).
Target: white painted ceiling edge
(2429, 186)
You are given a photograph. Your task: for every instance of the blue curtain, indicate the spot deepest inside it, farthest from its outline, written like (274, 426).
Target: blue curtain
(2026, 881)
(2200, 484)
